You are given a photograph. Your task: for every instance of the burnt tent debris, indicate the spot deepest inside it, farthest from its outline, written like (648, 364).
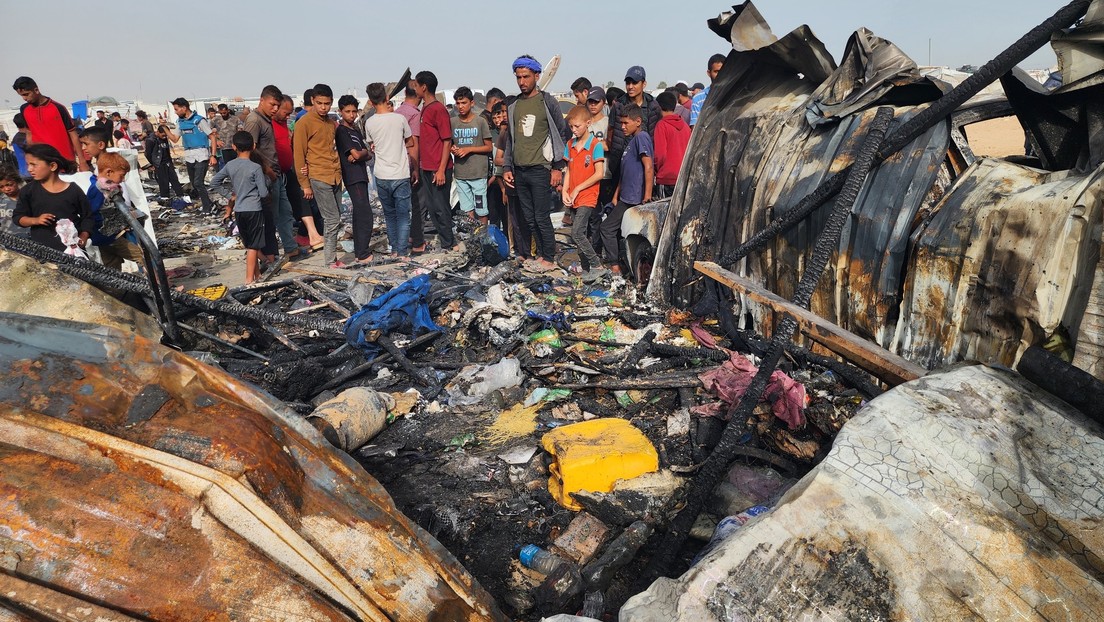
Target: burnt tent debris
(851, 357)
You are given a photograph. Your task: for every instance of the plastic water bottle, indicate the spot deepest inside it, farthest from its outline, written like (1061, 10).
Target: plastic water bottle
(536, 558)
(728, 526)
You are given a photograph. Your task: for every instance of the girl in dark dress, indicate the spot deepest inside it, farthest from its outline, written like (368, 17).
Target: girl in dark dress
(47, 199)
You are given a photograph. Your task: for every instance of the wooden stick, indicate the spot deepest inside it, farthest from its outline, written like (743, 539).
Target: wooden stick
(317, 293)
(281, 337)
(321, 305)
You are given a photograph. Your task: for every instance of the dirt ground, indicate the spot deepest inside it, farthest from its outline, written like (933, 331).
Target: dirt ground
(997, 138)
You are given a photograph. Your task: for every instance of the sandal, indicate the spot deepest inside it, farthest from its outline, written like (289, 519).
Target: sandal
(337, 265)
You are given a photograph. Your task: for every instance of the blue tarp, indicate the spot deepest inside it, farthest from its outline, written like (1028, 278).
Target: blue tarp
(80, 110)
(405, 308)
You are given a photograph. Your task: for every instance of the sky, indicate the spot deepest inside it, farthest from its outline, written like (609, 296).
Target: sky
(156, 51)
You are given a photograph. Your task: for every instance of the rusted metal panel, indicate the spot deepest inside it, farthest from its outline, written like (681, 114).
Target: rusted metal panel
(1005, 261)
(201, 499)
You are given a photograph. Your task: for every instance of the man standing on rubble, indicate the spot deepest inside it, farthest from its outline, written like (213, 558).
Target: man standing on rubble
(716, 63)
(259, 125)
(226, 124)
(412, 113)
(199, 147)
(533, 160)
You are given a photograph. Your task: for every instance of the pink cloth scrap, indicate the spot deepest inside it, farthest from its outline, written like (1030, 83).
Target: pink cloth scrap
(730, 381)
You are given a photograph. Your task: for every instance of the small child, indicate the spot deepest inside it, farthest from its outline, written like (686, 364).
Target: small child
(471, 147)
(586, 163)
(634, 185)
(10, 182)
(19, 144)
(496, 188)
(159, 154)
(599, 126)
(121, 140)
(250, 188)
(111, 231)
(113, 246)
(48, 199)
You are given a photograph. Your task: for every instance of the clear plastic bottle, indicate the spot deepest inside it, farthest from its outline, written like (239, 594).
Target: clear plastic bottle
(536, 558)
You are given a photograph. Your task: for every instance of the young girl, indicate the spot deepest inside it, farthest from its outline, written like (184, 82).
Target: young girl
(121, 140)
(48, 199)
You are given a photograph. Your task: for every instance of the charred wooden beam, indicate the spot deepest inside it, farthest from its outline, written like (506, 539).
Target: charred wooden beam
(635, 353)
(708, 354)
(1073, 385)
(880, 362)
(418, 342)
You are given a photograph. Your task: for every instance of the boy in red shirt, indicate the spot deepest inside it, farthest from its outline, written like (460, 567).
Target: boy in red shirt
(672, 135)
(435, 147)
(586, 163)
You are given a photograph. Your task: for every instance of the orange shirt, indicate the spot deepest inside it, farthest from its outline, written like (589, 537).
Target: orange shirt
(581, 161)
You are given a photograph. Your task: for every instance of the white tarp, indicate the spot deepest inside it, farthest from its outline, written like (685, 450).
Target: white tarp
(969, 494)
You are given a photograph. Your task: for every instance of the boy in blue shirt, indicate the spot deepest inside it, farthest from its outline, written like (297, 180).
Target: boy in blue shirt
(250, 187)
(635, 184)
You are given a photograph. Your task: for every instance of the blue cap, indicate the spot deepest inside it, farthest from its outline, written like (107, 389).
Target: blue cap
(635, 74)
(527, 553)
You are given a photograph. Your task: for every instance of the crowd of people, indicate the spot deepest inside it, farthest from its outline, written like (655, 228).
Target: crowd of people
(284, 169)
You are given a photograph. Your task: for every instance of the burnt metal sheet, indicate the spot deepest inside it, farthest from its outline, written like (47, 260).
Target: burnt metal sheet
(873, 72)
(1005, 260)
(32, 288)
(640, 227)
(754, 155)
(1066, 128)
(207, 499)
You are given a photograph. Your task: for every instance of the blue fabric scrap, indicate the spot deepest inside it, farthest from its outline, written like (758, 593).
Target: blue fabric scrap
(403, 309)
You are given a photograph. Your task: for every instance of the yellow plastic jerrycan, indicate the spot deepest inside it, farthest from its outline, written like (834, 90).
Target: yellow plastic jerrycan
(592, 455)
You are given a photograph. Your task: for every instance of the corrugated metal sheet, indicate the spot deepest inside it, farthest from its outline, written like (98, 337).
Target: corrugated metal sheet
(143, 481)
(754, 155)
(940, 261)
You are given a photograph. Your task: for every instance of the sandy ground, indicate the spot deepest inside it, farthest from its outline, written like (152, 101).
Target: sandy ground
(996, 137)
